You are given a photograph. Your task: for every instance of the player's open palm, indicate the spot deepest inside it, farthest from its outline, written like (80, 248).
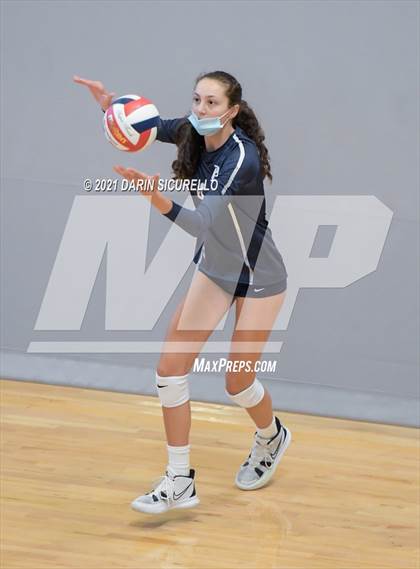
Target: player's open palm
(101, 95)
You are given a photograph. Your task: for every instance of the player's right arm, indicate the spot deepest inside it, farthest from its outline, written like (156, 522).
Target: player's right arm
(100, 94)
(167, 128)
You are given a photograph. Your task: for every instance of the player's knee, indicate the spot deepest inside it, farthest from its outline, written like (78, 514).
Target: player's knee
(173, 365)
(172, 390)
(248, 397)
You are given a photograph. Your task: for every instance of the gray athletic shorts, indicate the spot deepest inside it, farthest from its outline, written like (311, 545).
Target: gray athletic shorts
(250, 291)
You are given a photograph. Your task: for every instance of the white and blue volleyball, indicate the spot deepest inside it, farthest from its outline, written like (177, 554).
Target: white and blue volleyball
(131, 122)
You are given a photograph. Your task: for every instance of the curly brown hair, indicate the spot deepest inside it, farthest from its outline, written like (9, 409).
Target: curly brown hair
(191, 144)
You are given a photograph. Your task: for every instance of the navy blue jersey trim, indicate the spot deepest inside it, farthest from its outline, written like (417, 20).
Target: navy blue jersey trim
(172, 213)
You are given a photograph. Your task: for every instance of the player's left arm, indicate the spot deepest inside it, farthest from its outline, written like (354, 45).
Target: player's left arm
(233, 180)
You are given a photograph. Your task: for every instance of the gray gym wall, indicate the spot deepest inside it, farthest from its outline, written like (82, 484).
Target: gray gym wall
(335, 86)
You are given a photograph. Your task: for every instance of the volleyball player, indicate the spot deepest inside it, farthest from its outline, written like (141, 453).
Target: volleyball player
(220, 144)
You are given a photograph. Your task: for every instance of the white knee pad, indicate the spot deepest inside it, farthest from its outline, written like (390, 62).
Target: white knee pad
(250, 397)
(172, 391)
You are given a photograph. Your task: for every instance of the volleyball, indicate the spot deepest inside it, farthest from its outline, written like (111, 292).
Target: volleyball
(130, 123)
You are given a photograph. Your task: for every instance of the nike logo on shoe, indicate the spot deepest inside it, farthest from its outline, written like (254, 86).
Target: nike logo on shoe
(177, 496)
(275, 453)
(258, 289)
(162, 386)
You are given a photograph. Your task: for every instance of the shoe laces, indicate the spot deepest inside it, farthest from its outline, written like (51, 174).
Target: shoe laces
(260, 452)
(164, 484)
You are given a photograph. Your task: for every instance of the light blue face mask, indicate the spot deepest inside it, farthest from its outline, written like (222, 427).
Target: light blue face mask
(207, 127)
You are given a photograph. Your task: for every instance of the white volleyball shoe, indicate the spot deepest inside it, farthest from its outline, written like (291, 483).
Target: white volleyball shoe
(263, 459)
(168, 492)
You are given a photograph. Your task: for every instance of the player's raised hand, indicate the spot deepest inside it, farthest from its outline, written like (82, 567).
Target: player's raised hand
(101, 95)
(145, 184)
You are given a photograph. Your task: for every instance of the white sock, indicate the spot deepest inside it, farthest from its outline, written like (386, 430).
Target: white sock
(269, 431)
(179, 459)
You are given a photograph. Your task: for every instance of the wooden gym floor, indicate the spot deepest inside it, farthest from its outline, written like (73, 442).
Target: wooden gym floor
(345, 495)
